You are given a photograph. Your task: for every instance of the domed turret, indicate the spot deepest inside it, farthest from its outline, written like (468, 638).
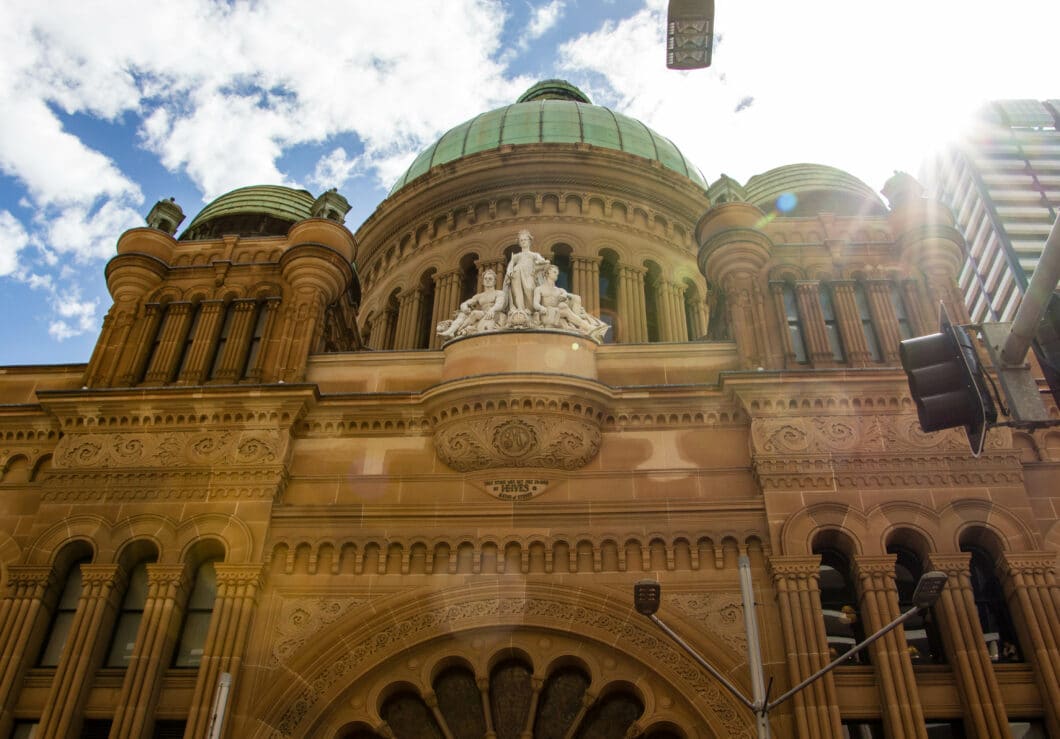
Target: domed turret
(259, 210)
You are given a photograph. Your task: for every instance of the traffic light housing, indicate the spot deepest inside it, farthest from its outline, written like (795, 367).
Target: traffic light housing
(947, 383)
(689, 34)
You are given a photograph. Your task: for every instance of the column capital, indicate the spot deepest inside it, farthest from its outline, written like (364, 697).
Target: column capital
(166, 575)
(1028, 563)
(34, 577)
(106, 574)
(795, 566)
(235, 574)
(872, 566)
(955, 565)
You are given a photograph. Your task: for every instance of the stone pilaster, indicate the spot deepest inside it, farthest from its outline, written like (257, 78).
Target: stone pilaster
(446, 302)
(20, 618)
(83, 651)
(808, 297)
(846, 312)
(410, 304)
(922, 322)
(903, 715)
(984, 710)
(806, 648)
(261, 367)
(196, 364)
(137, 348)
(135, 709)
(171, 337)
(1031, 587)
(237, 589)
(587, 282)
(234, 352)
(878, 293)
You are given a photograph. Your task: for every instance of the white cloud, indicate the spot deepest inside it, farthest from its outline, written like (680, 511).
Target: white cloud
(76, 316)
(334, 169)
(13, 239)
(90, 234)
(544, 18)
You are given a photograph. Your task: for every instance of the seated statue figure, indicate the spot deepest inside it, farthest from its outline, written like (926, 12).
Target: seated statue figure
(481, 312)
(554, 307)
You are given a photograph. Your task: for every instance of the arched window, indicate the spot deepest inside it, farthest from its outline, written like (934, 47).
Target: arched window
(126, 626)
(651, 304)
(63, 617)
(469, 276)
(222, 339)
(189, 337)
(257, 338)
(197, 616)
(839, 603)
(561, 257)
(921, 632)
(905, 326)
(423, 320)
(994, 616)
(609, 296)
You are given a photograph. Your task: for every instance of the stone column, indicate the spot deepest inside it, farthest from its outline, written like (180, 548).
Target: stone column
(134, 712)
(587, 282)
(382, 329)
(262, 367)
(446, 302)
(410, 304)
(83, 652)
(1031, 589)
(776, 292)
(171, 337)
(141, 339)
(806, 647)
(626, 321)
(849, 319)
(200, 353)
(237, 589)
(903, 716)
(20, 618)
(878, 293)
(962, 635)
(234, 352)
(808, 297)
(922, 322)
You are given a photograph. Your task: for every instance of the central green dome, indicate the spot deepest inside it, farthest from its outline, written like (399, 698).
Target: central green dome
(551, 112)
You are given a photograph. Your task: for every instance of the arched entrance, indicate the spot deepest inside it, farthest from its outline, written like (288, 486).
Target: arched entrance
(505, 659)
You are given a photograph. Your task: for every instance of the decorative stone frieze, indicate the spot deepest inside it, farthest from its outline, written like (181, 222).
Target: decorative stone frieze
(501, 440)
(170, 449)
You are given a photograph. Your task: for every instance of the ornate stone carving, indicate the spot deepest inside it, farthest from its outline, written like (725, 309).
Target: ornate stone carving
(421, 624)
(301, 618)
(494, 441)
(174, 449)
(722, 612)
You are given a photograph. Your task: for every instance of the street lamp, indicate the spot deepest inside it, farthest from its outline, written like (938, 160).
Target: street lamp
(647, 595)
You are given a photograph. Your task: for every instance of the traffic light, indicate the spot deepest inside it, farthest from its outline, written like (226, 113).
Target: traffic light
(947, 383)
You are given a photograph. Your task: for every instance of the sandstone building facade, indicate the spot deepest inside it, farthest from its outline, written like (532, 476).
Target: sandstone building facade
(273, 467)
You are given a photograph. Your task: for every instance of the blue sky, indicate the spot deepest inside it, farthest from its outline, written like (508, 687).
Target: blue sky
(111, 106)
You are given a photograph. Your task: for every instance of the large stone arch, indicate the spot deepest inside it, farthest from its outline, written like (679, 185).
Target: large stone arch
(319, 679)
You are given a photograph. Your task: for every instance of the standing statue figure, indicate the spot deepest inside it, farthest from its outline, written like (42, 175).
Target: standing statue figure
(520, 279)
(554, 307)
(480, 312)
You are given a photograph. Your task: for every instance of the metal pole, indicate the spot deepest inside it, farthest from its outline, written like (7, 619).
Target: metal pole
(1035, 300)
(703, 663)
(220, 705)
(754, 649)
(843, 657)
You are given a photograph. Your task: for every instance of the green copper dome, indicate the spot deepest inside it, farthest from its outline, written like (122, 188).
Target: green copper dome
(551, 112)
(265, 210)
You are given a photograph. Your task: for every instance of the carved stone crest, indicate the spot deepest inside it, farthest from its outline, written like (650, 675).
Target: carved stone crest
(493, 441)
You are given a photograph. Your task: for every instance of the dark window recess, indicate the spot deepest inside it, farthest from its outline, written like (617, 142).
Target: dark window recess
(862, 730)
(944, 729)
(169, 729)
(994, 616)
(95, 728)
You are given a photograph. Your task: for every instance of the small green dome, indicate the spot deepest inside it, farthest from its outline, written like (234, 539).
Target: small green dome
(551, 112)
(816, 188)
(261, 210)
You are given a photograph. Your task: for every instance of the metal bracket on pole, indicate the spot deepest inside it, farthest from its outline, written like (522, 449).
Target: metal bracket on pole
(1019, 387)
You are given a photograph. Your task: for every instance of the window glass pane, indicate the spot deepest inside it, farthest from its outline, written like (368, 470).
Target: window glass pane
(791, 315)
(1031, 729)
(197, 616)
(63, 619)
(831, 327)
(25, 730)
(905, 329)
(944, 730)
(192, 640)
(862, 730)
(121, 648)
(994, 617)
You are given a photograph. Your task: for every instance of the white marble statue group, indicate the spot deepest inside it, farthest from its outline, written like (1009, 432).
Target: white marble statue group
(528, 299)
